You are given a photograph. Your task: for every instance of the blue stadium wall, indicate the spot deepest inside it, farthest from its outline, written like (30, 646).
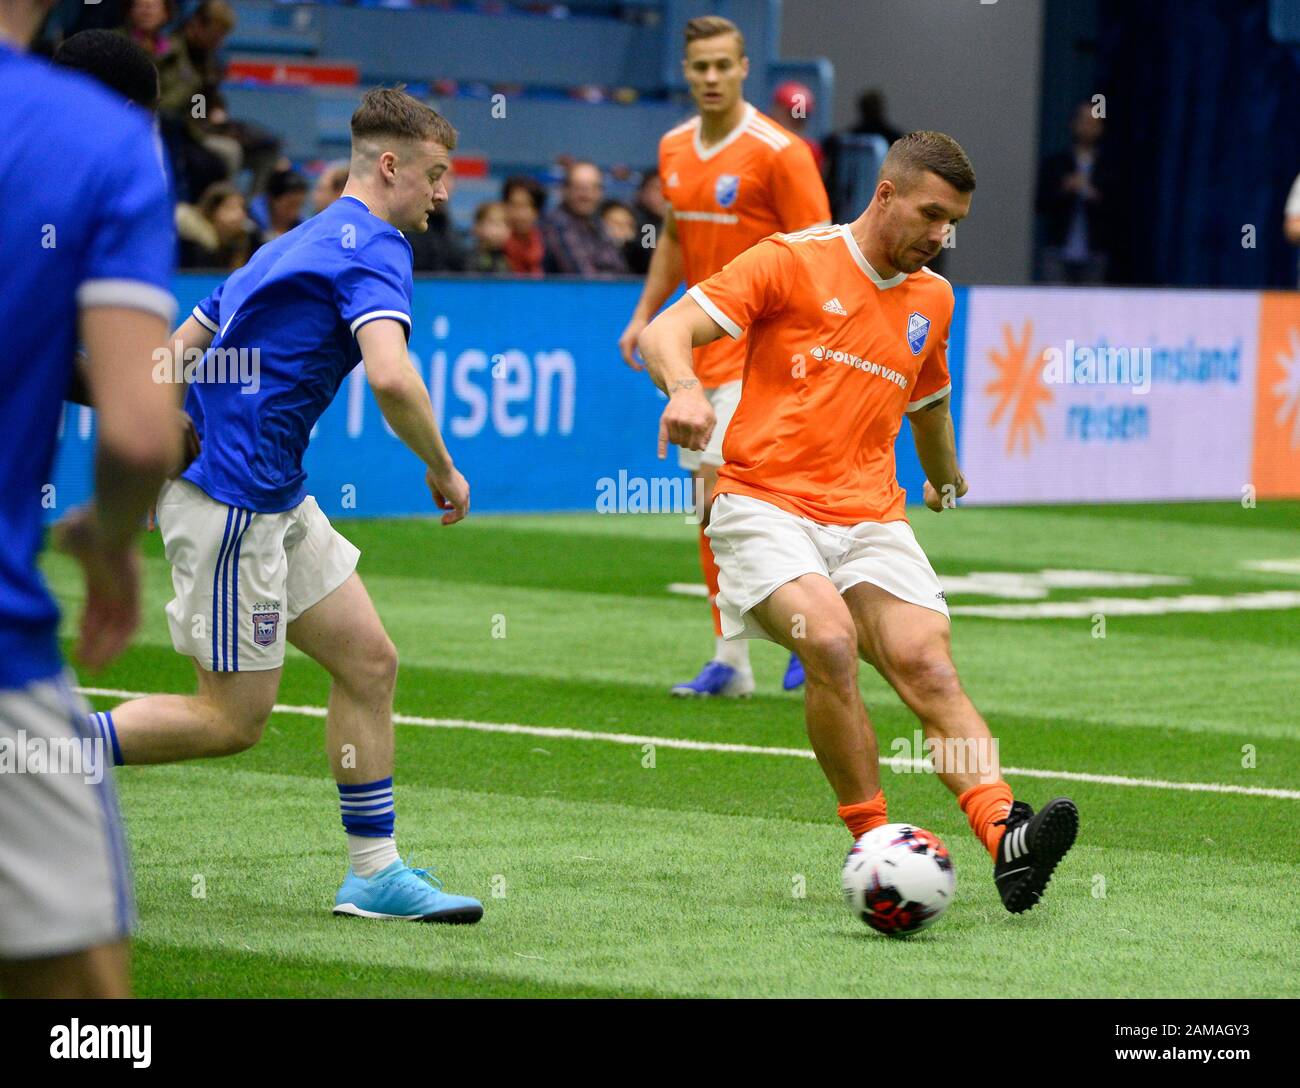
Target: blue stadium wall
(542, 415)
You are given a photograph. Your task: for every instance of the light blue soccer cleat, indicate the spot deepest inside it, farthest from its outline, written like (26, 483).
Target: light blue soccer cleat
(404, 894)
(793, 674)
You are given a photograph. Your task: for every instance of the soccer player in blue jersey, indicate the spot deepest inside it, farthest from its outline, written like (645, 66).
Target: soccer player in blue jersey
(255, 563)
(86, 248)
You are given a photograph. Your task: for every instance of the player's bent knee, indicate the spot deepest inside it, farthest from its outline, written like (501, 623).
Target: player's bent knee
(373, 670)
(242, 731)
(927, 679)
(830, 656)
(241, 707)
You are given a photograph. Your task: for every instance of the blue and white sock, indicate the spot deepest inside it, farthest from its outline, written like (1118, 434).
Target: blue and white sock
(368, 818)
(102, 723)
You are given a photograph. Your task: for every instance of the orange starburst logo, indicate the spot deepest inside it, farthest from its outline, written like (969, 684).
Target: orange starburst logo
(1018, 387)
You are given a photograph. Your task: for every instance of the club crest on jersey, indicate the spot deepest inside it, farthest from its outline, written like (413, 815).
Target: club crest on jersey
(726, 189)
(918, 327)
(265, 626)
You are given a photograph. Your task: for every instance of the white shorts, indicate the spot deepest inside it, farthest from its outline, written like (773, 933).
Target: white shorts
(723, 400)
(241, 577)
(65, 882)
(759, 547)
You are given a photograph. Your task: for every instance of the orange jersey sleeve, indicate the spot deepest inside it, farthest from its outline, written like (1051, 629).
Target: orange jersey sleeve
(753, 285)
(795, 188)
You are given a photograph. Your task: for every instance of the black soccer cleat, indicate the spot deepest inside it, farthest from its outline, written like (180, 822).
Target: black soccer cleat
(1031, 848)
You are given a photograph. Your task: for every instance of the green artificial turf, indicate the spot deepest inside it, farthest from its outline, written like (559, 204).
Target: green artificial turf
(610, 868)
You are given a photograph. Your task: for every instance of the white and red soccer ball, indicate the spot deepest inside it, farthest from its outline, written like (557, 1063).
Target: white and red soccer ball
(899, 878)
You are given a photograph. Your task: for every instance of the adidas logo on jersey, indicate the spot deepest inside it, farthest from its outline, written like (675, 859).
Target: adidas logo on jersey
(672, 182)
(835, 306)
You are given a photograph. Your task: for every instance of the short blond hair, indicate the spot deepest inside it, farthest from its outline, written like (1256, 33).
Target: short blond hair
(711, 26)
(391, 113)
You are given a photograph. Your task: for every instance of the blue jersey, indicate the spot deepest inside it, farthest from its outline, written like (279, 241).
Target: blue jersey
(284, 339)
(86, 222)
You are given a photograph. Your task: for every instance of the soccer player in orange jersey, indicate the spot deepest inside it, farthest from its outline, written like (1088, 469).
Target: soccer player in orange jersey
(847, 333)
(731, 177)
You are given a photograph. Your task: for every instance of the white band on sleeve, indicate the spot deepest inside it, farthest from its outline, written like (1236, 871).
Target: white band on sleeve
(374, 315)
(131, 294)
(203, 319)
(938, 395)
(707, 305)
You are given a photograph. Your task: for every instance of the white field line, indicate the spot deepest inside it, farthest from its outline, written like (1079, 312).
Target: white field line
(558, 733)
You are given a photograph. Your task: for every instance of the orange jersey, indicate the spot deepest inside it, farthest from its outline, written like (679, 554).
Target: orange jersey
(836, 356)
(758, 180)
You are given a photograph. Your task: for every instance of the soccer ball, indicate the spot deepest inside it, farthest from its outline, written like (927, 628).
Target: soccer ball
(899, 878)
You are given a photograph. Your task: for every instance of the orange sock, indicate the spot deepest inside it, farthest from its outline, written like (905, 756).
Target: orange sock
(710, 567)
(984, 805)
(865, 816)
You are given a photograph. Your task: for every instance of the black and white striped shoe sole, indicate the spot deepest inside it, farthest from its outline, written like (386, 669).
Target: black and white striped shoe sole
(1056, 826)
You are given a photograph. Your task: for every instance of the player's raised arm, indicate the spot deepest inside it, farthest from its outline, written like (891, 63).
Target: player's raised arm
(666, 345)
(936, 447)
(661, 280)
(405, 403)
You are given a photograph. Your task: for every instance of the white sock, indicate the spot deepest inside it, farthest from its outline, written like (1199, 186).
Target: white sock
(370, 855)
(734, 653)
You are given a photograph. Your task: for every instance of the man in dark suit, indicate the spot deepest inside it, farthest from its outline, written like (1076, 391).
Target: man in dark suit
(1071, 203)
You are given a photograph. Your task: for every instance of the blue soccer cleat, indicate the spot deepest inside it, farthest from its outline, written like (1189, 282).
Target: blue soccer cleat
(404, 894)
(793, 674)
(717, 678)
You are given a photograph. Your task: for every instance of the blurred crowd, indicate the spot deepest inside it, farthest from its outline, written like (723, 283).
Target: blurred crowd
(236, 191)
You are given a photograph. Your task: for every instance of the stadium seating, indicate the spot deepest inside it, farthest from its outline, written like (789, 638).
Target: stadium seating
(291, 65)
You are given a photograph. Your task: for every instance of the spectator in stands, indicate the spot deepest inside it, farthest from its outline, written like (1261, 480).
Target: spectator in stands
(145, 23)
(840, 149)
(619, 222)
(1291, 216)
(115, 61)
(491, 232)
(329, 186)
(279, 209)
(203, 139)
(649, 209)
(190, 76)
(792, 105)
(575, 238)
(524, 200)
(1071, 205)
(871, 116)
(217, 232)
(439, 248)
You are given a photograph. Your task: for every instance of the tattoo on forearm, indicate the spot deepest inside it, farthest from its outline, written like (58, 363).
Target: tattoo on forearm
(683, 383)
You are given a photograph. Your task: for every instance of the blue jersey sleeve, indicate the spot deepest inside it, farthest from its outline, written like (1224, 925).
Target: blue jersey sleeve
(377, 283)
(208, 312)
(131, 250)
